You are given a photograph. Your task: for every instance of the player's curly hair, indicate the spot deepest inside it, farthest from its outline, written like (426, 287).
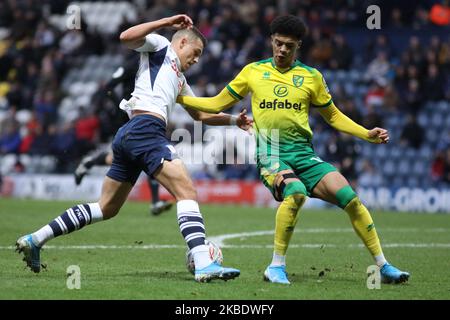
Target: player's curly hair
(289, 25)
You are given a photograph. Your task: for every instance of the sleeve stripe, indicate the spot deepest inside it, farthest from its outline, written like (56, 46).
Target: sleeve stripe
(322, 105)
(234, 93)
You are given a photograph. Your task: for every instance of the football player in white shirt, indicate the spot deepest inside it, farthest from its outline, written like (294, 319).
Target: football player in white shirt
(141, 144)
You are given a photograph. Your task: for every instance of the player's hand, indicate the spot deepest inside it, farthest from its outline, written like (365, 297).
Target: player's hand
(180, 21)
(379, 135)
(244, 122)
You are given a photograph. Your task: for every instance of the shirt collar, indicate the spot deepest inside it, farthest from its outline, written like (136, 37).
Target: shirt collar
(177, 60)
(295, 63)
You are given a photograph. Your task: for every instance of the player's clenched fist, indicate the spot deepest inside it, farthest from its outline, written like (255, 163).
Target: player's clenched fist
(379, 135)
(180, 21)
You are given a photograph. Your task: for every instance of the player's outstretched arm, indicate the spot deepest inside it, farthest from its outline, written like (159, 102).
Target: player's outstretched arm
(215, 104)
(134, 37)
(335, 118)
(222, 119)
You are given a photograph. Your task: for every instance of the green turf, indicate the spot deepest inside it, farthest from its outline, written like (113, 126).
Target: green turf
(161, 274)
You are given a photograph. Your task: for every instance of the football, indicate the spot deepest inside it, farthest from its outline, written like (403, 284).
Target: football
(214, 251)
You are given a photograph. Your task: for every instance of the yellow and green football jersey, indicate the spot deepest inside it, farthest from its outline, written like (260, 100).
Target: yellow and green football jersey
(281, 100)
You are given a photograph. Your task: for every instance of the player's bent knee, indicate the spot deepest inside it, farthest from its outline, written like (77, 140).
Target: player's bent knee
(295, 188)
(287, 183)
(345, 195)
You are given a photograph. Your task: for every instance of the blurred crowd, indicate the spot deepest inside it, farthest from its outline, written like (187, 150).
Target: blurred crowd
(402, 66)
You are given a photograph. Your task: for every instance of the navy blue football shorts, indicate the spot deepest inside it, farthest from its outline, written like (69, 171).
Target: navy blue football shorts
(140, 144)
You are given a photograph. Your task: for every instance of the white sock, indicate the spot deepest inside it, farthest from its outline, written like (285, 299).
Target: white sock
(192, 229)
(96, 212)
(380, 260)
(41, 236)
(201, 256)
(278, 260)
(70, 220)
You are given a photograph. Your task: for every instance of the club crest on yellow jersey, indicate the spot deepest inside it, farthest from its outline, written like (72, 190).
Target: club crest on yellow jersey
(297, 80)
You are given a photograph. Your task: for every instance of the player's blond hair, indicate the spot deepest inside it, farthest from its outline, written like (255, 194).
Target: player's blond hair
(192, 34)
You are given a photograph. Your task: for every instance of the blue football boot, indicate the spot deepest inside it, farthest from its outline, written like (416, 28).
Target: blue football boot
(390, 274)
(276, 274)
(216, 271)
(30, 251)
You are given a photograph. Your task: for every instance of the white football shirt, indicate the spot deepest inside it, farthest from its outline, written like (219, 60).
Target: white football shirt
(159, 80)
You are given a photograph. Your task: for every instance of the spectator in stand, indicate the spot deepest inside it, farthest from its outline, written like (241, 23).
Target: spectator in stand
(369, 176)
(396, 20)
(321, 51)
(42, 142)
(45, 35)
(349, 108)
(413, 97)
(446, 171)
(14, 95)
(204, 25)
(443, 56)
(401, 79)
(375, 94)
(342, 56)
(433, 86)
(19, 167)
(438, 166)
(28, 138)
(379, 68)
(382, 44)
(10, 138)
(431, 57)
(412, 72)
(435, 44)
(390, 99)
(420, 20)
(64, 147)
(71, 42)
(46, 108)
(86, 130)
(415, 51)
(412, 134)
(372, 118)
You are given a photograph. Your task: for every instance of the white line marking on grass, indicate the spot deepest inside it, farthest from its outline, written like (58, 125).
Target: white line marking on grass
(107, 247)
(220, 240)
(237, 246)
(408, 245)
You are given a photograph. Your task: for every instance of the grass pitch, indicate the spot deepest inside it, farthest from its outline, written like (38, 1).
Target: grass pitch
(138, 256)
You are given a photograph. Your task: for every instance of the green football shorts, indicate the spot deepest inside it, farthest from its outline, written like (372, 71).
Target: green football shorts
(301, 159)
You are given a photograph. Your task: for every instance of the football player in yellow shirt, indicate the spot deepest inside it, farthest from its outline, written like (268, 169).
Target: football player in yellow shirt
(283, 90)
